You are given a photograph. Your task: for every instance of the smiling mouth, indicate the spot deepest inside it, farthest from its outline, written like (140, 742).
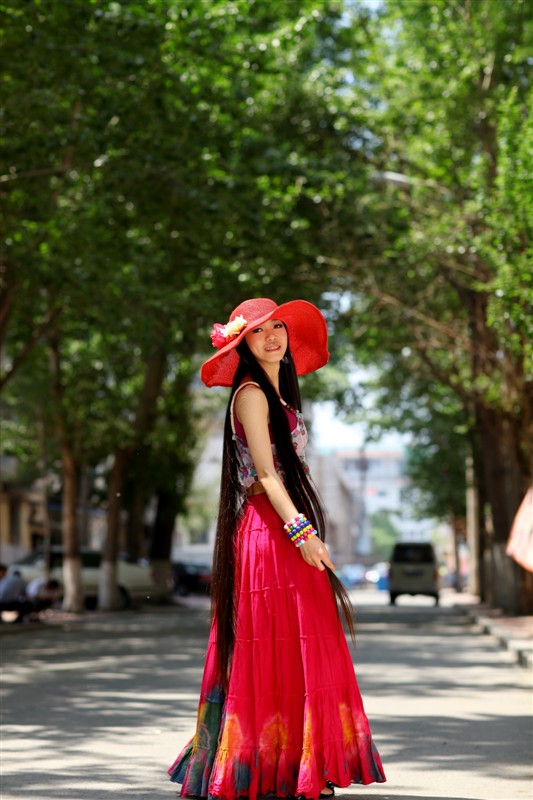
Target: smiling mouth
(272, 348)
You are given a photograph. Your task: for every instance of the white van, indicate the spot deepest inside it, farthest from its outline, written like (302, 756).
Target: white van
(413, 570)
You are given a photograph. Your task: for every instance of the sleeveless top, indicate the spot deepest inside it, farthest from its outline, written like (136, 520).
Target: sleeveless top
(247, 471)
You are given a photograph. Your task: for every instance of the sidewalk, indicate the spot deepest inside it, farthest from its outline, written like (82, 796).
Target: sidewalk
(515, 634)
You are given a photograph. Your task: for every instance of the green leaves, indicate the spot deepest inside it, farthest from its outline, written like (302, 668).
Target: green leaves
(164, 161)
(438, 271)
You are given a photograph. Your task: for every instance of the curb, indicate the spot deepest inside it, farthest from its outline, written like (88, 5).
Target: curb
(516, 639)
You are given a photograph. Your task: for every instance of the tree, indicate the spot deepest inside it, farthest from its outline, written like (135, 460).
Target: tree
(176, 158)
(449, 118)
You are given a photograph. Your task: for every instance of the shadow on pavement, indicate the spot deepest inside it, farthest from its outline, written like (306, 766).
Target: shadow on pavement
(116, 700)
(433, 634)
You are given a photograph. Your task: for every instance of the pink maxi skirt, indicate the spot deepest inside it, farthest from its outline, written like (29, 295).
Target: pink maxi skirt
(292, 717)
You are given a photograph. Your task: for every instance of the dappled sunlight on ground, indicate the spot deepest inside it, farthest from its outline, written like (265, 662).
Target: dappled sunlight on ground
(101, 706)
(89, 704)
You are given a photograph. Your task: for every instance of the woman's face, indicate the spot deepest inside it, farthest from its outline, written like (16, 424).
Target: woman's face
(268, 342)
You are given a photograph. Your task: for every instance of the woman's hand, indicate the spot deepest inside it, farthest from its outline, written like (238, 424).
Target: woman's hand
(314, 553)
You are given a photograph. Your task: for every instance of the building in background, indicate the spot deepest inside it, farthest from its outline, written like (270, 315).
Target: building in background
(354, 484)
(194, 533)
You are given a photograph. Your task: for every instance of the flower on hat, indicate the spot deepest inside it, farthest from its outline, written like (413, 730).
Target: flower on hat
(217, 335)
(222, 334)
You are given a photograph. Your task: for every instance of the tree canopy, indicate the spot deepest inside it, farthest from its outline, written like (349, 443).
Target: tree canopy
(165, 160)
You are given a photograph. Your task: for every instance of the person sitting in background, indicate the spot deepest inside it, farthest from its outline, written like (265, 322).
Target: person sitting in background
(12, 587)
(12, 593)
(41, 593)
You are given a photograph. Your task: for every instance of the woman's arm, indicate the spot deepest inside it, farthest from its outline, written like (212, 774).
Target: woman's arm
(251, 407)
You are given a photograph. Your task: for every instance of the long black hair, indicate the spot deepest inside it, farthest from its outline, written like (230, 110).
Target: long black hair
(297, 482)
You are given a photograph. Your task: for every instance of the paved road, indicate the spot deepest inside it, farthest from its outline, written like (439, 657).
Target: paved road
(99, 708)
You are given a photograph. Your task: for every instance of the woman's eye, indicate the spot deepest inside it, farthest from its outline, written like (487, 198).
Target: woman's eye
(278, 325)
(257, 330)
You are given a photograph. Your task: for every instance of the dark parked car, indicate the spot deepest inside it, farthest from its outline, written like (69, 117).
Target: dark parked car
(191, 577)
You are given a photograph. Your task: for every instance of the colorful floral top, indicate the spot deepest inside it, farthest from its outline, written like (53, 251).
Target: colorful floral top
(247, 471)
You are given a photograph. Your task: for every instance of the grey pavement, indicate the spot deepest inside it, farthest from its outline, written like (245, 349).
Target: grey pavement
(99, 706)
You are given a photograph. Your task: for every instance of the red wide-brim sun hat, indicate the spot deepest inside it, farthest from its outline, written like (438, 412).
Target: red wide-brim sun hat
(306, 326)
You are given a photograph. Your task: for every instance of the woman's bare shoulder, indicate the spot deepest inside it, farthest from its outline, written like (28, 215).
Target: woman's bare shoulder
(250, 399)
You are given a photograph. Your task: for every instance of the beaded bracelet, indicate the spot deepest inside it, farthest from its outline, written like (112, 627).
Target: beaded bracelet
(299, 530)
(295, 522)
(299, 542)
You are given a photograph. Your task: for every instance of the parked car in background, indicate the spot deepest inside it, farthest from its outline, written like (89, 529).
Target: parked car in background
(413, 570)
(135, 581)
(191, 577)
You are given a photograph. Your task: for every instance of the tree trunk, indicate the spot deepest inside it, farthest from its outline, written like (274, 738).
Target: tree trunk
(504, 462)
(504, 481)
(85, 488)
(144, 422)
(7, 299)
(526, 591)
(473, 528)
(73, 596)
(458, 525)
(135, 529)
(108, 598)
(504, 581)
(504, 486)
(42, 463)
(168, 503)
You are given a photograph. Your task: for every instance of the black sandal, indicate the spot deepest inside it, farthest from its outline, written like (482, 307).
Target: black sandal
(331, 786)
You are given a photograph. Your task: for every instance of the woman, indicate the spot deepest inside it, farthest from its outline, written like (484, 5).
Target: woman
(280, 712)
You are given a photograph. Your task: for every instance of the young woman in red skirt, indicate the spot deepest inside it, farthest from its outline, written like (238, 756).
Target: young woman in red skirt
(280, 711)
